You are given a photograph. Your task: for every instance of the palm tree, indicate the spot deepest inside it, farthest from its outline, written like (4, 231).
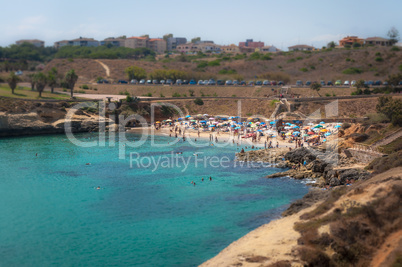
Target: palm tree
(52, 79)
(70, 79)
(12, 81)
(31, 80)
(41, 82)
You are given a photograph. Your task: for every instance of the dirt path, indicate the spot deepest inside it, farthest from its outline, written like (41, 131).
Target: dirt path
(388, 139)
(105, 67)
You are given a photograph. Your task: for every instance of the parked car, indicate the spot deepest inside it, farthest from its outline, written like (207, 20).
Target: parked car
(122, 82)
(322, 83)
(169, 81)
(155, 82)
(133, 81)
(142, 81)
(266, 82)
(338, 82)
(385, 83)
(300, 83)
(149, 81)
(185, 82)
(242, 83)
(220, 82)
(281, 83)
(353, 83)
(251, 83)
(200, 82)
(235, 82)
(179, 82)
(346, 83)
(273, 82)
(400, 83)
(229, 82)
(370, 83)
(258, 83)
(206, 82)
(18, 73)
(378, 83)
(211, 82)
(162, 82)
(329, 83)
(193, 82)
(103, 81)
(308, 83)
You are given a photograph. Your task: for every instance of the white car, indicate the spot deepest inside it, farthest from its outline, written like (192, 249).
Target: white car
(353, 83)
(346, 83)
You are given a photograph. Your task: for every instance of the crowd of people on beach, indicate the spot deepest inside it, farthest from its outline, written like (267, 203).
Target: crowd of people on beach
(270, 133)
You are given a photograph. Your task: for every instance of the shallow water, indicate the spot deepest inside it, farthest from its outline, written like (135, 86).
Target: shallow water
(52, 214)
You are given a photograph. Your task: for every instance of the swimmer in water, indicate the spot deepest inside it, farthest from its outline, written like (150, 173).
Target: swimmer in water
(88, 164)
(202, 179)
(98, 188)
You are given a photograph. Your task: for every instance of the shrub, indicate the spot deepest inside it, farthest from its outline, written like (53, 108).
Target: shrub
(291, 60)
(346, 125)
(312, 67)
(202, 64)
(378, 54)
(176, 94)
(304, 69)
(280, 67)
(227, 71)
(214, 63)
(299, 58)
(198, 101)
(328, 95)
(379, 59)
(191, 92)
(347, 59)
(161, 95)
(395, 48)
(84, 86)
(266, 57)
(352, 71)
(400, 67)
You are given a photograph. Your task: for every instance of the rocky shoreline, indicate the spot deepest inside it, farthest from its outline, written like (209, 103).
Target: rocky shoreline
(327, 169)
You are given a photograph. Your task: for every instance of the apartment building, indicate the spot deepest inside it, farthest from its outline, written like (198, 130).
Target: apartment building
(230, 48)
(378, 41)
(35, 42)
(82, 41)
(301, 48)
(157, 44)
(119, 42)
(173, 42)
(136, 42)
(251, 44)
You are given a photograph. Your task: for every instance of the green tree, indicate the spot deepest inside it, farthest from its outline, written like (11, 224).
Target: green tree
(392, 108)
(70, 79)
(52, 78)
(393, 35)
(134, 72)
(40, 82)
(31, 80)
(316, 87)
(360, 84)
(394, 79)
(12, 81)
(196, 39)
(331, 44)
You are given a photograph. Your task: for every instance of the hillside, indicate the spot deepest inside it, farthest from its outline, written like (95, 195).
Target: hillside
(374, 63)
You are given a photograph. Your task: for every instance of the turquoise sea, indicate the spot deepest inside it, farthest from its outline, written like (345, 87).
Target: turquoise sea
(52, 214)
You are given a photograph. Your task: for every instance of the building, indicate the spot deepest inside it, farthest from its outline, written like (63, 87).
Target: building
(208, 47)
(377, 41)
(119, 42)
(35, 42)
(136, 42)
(173, 42)
(82, 41)
(250, 43)
(157, 45)
(230, 48)
(269, 49)
(301, 48)
(350, 40)
(187, 47)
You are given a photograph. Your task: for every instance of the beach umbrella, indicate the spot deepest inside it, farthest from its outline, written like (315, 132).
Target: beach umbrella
(215, 122)
(240, 123)
(272, 122)
(250, 119)
(306, 128)
(259, 130)
(158, 122)
(237, 128)
(211, 126)
(211, 119)
(323, 122)
(325, 140)
(318, 126)
(168, 120)
(203, 121)
(192, 120)
(338, 126)
(262, 123)
(288, 133)
(205, 115)
(297, 127)
(327, 134)
(180, 119)
(310, 123)
(305, 135)
(253, 126)
(324, 130)
(188, 116)
(296, 132)
(310, 133)
(232, 125)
